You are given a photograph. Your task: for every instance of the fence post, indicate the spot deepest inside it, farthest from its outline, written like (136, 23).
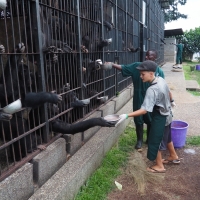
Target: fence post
(35, 8)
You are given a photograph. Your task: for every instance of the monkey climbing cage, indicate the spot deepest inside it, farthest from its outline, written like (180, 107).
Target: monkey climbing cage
(53, 46)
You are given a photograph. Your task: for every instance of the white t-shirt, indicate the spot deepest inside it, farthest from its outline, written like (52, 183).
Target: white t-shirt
(158, 95)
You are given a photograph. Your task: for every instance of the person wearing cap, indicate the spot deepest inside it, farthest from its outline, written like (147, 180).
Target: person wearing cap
(139, 93)
(157, 101)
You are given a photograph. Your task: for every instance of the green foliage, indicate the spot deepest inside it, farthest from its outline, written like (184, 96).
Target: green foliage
(172, 13)
(191, 41)
(191, 75)
(102, 181)
(193, 140)
(195, 93)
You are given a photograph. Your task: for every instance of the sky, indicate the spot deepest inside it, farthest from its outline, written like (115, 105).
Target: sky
(192, 10)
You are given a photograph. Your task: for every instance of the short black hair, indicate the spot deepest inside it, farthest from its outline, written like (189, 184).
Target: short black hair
(154, 51)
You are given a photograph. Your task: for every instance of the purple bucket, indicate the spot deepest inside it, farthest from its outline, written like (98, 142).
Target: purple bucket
(197, 67)
(179, 132)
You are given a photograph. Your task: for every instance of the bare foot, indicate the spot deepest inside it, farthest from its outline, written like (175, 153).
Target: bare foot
(156, 168)
(153, 170)
(170, 158)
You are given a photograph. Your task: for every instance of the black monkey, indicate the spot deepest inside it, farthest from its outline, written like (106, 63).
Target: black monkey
(19, 123)
(132, 49)
(16, 78)
(3, 116)
(89, 66)
(104, 43)
(108, 25)
(9, 77)
(59, 126)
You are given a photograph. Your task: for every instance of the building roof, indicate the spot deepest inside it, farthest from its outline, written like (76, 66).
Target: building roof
(164, 4)
(173, 32)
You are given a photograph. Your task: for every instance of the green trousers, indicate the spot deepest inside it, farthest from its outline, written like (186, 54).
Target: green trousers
(179, 58)
(155, 134)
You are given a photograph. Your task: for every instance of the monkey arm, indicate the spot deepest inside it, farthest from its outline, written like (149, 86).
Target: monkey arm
(32, 100)
(62, 127)
(37, 99)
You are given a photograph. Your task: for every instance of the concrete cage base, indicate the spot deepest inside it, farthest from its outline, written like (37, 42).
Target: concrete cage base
(52, 176)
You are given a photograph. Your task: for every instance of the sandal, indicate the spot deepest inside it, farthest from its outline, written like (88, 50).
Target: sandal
(152, 170)
(176, 161)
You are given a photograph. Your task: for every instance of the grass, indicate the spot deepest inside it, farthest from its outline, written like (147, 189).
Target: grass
(193, 140)
(191, 75)
(195, 93)
(101, 182)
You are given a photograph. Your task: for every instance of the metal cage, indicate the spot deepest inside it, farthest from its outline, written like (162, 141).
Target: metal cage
(53, 46)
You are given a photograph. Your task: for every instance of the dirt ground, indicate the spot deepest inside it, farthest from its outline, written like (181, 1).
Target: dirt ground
(180, 181)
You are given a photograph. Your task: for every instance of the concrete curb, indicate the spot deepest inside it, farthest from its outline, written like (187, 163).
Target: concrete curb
(66, 182)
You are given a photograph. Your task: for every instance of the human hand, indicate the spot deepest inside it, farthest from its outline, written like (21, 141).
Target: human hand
(173, 105)
(122, 118)
(106, 66)
(4, 116)
(80, 103)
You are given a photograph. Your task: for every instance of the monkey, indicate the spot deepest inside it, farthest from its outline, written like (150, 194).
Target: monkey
(132, 49)
(108, 25)
(15, 83)
(65, 128)
(90, 66)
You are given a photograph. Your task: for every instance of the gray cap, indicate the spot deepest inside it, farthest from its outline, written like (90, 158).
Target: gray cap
(147, 65)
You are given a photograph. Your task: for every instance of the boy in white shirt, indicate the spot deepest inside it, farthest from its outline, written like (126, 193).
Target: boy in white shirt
(158, 101)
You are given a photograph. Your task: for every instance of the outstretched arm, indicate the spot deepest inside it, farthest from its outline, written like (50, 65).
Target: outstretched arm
(107, 65)
(4, 116)
(116, 66)
(62, 127)
(32, 100)
(132, 114)
(36, 99)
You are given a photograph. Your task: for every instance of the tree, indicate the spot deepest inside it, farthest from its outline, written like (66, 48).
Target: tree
(172, 13)
(191, 41)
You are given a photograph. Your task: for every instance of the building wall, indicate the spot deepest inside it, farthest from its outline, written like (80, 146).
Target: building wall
(170, 50)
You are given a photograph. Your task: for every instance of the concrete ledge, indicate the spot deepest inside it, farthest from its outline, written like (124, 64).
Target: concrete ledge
(66, 182)
(75, 143)
(109, 108)
(122, 99)
(49, 161)
(71, 175)
(192, 85)
(90, 132)
(19, 185)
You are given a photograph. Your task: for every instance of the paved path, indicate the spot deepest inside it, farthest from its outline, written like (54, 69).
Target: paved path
(188, 105)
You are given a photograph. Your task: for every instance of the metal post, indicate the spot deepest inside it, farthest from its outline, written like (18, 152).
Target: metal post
(35, 8)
